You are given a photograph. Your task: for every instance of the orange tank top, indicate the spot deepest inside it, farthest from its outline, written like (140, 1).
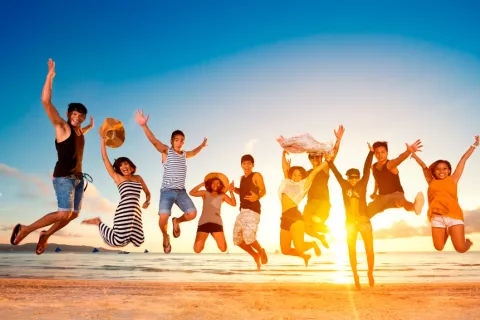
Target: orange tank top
(443, 199)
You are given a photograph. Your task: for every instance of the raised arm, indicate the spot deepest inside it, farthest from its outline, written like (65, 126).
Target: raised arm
(147, 193)
(285, 164)
(195, 151)
(196, 192)
(335, 171)
(142, 121)
(412, 148)
(106, 161)
(461, 164)
(367, 165)
(230, 199)
(338, 134)
(89, 126)
(425, 169)
(52, 112)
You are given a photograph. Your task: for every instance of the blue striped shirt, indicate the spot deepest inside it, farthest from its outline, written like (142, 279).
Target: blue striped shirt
(175, 170)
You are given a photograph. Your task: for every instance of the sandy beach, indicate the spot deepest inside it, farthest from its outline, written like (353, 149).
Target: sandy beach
(81, 299)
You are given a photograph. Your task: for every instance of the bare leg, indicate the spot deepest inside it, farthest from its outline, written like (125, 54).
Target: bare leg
(94, 221)
(61, 224)
(439, 237)
(163, 224)
(352, 253)
(253, 253)
(263, 255)
(286, 247)
(46, 220)
(297, 231)
(200, 241)
(368, 243)
(220, 239)
(457, 235)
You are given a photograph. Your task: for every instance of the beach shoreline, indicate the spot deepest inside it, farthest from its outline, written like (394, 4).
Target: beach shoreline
(111, 299)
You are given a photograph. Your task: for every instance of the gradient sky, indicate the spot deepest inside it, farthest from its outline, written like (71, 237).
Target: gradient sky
(240, 75)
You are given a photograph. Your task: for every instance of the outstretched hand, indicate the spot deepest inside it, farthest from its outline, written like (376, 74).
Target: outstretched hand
(145, 205)
(252, 197)
(414, 147)
(285, 152)
(204, 143)
(92, 122)
(370, 147)
(339, 132)
(141, 120)
(231, 186)
(477, 141)
(51, 68)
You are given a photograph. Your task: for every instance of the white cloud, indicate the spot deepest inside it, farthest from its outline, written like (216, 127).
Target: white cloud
(42, 187)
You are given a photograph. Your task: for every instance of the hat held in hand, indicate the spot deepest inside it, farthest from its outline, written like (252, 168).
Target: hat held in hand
(112, 129)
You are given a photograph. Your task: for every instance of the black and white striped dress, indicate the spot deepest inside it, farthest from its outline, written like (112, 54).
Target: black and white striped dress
(127, 223)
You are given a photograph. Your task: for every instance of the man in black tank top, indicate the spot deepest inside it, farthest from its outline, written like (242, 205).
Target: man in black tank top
(252, 188)
(388, 191)
(67, 175)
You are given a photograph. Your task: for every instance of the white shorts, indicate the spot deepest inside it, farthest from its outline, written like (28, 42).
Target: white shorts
(439, 221)
(246, 226)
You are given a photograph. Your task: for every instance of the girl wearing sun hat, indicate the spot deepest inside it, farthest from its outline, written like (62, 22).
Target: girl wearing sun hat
(210, 222)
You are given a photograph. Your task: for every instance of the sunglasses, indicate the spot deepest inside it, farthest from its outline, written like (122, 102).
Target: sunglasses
(353, 177)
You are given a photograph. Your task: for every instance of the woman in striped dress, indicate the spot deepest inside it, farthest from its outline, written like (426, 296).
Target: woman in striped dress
(127, 223)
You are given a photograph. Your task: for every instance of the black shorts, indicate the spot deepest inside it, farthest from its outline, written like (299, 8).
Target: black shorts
(210, 228)
(289, 217)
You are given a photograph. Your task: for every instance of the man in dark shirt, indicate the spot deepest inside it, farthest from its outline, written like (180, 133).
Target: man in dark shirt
(388, 191)
(67, 176)
(354, 191)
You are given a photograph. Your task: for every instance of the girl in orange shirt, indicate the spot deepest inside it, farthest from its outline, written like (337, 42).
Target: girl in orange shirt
(444, 212)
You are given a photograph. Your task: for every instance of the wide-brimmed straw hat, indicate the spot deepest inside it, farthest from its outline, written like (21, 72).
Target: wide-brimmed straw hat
(220, 176)
(113, 130)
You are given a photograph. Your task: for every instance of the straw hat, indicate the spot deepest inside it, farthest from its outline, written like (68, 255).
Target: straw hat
(220, 176)
(113, 130)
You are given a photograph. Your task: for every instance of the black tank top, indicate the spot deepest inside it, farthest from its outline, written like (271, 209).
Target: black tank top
(319, 189)
(387, 181)
(247, 185)
(70, 155)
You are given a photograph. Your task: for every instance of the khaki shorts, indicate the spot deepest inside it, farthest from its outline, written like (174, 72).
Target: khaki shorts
(384, 202)
(246, 227)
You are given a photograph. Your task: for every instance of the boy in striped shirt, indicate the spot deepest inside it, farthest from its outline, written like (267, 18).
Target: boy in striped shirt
(174, 161)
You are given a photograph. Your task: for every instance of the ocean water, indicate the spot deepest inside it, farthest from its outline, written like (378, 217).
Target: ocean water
(402, 267)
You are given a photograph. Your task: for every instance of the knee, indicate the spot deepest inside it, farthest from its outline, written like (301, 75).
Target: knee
(74, 216)
(222, 247)
(439, 247)
(285, 250)
(65, 215)
(190, 216)
(198, 248)
(163, 219)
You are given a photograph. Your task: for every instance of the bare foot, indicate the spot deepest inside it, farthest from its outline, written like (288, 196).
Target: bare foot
(42, 242)
(258, 262)
(371, 281)
(357, 282)
(176, 227)
(317, 250)
(92, 221)
(306, 258)
(468, 243)
(418, 203)
(263, 256)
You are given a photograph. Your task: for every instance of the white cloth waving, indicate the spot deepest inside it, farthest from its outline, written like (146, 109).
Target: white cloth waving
(305, 143)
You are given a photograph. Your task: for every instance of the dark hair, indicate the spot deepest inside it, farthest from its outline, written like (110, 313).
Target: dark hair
(379, 144)
(302, 170)
(119, 161)
(247, 157)
(434, 165)
(208, 185)
(75, 106)
(353, 172)
(314, 155)
(177, 133)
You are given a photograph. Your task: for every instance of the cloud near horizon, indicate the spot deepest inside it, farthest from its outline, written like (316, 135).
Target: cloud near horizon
(401, 229)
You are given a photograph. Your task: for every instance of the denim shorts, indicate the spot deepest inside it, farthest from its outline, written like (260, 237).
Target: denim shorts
(168, 197)
(69, 192)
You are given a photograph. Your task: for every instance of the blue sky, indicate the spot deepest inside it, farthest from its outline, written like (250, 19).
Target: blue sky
(240, 74)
